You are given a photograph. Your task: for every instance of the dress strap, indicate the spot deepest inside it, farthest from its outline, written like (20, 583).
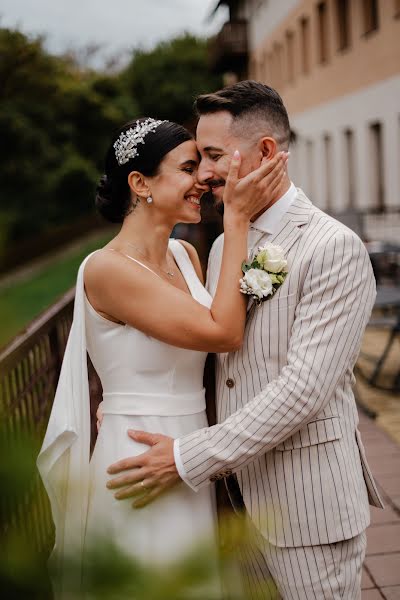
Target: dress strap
(186, 267)
(183, 261)
(136, 261)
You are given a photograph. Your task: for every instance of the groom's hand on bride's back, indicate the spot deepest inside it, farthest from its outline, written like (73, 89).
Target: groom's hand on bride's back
(145, 476)
(99, 417)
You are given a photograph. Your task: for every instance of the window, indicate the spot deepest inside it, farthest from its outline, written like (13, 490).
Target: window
(376, 167)
(279, 66)
(349, 168)
(257, 69)
(290, 55)
(310, 167)
(370, 15)
(342, 15)
(271, 72)
(265, 68)
(328, 171)
(305, 44)
(252, 68)
(322, 21)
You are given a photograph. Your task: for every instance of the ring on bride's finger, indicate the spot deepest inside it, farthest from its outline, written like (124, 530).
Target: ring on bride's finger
(143, 486)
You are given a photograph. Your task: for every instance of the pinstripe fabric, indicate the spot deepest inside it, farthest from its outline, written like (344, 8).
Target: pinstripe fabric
(288, 426)
(327, 572)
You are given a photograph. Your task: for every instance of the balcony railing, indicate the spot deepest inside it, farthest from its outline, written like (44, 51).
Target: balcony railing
(229, 49)
(29, 372)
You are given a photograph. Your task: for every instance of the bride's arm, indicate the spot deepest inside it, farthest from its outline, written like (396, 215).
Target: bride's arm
(135, 296)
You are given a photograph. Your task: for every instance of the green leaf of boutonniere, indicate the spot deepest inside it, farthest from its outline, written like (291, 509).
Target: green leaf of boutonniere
(246, 266)
(274, 278)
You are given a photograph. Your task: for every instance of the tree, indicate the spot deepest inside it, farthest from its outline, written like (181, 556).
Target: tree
(56, 120)
(166, 80)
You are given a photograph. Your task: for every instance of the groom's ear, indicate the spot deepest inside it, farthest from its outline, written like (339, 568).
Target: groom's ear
(268, 147)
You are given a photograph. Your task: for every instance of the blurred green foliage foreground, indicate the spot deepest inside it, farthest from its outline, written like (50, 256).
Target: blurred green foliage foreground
(109, 574)
(57, 118)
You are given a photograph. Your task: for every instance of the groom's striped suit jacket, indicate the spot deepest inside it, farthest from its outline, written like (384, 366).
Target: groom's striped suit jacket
(285, 404)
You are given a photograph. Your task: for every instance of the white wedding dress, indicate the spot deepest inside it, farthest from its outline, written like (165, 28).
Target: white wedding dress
(147, 385)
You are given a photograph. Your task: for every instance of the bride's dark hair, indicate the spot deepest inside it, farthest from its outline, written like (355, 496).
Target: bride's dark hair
(113, 195)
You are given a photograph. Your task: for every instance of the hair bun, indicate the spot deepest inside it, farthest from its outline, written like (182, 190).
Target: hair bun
(109, 203)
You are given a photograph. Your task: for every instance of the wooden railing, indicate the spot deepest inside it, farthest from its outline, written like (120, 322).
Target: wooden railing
(29, 371)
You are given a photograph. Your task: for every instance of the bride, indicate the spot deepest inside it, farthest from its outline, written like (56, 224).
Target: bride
(146, 320)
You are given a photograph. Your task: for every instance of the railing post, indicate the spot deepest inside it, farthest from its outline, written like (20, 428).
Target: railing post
(56, 351)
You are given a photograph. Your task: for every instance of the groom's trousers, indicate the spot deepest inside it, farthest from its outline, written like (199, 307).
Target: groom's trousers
(326, 572)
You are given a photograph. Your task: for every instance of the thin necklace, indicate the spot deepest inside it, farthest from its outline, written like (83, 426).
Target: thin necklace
(169, 273)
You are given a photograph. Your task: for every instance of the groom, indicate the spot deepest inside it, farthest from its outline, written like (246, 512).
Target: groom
(287, 441)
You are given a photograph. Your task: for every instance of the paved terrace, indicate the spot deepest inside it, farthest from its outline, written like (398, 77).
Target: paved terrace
(381, 574)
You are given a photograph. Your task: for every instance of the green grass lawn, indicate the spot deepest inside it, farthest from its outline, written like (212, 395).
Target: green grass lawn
(23, 301)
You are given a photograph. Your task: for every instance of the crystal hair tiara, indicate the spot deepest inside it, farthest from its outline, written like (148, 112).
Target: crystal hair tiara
(126, 145)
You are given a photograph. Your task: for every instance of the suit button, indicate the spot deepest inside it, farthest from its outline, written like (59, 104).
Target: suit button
(230, 383)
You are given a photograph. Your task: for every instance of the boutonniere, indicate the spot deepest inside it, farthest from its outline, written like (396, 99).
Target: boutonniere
(265, 273)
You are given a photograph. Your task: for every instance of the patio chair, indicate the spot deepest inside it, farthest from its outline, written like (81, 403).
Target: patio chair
(388, 304)
(385, 260)
(353, 219)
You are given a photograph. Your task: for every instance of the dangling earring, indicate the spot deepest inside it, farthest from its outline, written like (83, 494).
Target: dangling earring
(149, 200)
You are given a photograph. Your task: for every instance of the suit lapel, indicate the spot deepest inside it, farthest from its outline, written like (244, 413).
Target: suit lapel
(289, 229)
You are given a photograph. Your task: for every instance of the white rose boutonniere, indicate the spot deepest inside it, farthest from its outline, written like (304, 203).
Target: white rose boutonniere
(265, 273)
(256, 283)
(271, 258)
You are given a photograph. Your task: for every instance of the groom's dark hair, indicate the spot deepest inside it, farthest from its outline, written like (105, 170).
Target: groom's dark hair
(250, 103)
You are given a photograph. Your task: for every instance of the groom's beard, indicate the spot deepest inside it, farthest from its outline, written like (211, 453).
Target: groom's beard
(218, 204)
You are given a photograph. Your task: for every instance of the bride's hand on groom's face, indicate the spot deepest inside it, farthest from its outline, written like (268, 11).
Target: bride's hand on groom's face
(248, 195)
(148, 475)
